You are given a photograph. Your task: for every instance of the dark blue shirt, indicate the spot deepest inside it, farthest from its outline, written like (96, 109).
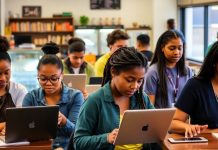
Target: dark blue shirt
(199, 101)
(69, 105)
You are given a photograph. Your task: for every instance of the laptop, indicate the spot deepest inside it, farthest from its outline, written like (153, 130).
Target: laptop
(95, 80)
(75, 81)
(92, 88)
(144, 126)
(31, 123)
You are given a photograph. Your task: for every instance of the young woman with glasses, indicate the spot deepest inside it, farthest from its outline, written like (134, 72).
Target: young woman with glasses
(54, 92)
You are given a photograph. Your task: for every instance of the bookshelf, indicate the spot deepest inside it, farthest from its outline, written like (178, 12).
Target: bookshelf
(43, 30)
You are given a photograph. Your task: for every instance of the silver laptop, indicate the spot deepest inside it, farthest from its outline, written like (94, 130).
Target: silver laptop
(76, 81)
(31, 123)
(92, 88)
(144, 126)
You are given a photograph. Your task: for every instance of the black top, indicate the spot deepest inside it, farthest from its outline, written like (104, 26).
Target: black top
(199, 101)
(148, 54)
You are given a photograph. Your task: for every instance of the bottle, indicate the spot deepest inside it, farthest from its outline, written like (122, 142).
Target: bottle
(12, 42)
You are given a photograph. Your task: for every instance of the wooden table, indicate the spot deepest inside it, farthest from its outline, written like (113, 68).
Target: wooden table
(212, 143)
(41, 145)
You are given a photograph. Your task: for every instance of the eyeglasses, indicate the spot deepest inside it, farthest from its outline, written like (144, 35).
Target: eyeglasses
(52, 79)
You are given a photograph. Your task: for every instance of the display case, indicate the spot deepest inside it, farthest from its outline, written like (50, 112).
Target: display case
(134, 32)
(24, 67)
(95, 37)
(90, 37)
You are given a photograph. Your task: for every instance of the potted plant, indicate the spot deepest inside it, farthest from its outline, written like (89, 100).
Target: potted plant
(84, 20)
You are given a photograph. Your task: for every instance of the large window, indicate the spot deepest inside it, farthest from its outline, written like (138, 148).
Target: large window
(200, 26)
(212, 24)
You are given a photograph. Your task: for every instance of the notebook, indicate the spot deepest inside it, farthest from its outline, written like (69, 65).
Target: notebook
(76, 81)
(144, 126)
(31, 123)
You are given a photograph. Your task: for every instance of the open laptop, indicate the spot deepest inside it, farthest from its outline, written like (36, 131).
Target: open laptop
(31, 123)
(144, 126)
(75, 81)
(95, 80)
(92, 88)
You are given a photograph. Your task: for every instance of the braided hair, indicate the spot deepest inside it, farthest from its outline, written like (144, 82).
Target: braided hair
(50, 49)
(124, 59)
(4, 47)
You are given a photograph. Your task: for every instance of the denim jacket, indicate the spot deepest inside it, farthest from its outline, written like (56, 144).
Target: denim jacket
(69, 105)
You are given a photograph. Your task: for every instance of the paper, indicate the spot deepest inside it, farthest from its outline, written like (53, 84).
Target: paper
(2, 144)
(215, 134)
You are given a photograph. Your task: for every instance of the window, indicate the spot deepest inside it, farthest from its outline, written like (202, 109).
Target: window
(200, 27)
(212, 24)
(194, 33)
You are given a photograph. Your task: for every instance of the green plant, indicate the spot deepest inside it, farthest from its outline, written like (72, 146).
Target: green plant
(84, 20)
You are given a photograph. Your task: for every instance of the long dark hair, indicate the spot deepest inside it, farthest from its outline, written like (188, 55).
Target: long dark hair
(160, 59)
(4, 47)
(123, 59)
(50, 49)
(208, 68)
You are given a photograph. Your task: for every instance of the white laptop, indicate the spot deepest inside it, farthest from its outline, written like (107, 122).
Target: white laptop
(144, 126)
(92, 88)
(75, 81)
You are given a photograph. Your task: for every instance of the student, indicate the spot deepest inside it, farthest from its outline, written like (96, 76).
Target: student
(54, 92)
(167, 73)
(115, 40)
(199, 100)
(100, 115)
(171, 25)
(11, 94)
(74, 63)
(143, 45)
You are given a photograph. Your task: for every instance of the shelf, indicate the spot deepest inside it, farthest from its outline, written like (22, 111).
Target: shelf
(42, 30)
(144, 28)
(40, 19)
(100, 27)
(47, 32)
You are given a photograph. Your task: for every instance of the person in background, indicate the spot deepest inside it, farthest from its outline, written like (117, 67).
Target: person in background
(11, 93)
(74, 63)
(199, 100)
(115, 40)
(54, 92)
(171, 25)
(167, 73)
(122, 89)
(143, 45)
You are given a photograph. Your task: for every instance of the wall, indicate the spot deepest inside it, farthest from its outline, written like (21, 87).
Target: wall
(149, 12)
(2, 14)
(162, 12)
(131, 11)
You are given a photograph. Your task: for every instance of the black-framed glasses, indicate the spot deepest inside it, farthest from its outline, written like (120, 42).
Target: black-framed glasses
(52, 79)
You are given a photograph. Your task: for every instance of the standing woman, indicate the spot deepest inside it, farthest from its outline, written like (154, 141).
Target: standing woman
(167, 73)
(121, 90)
(54, 92)
(11, 94)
